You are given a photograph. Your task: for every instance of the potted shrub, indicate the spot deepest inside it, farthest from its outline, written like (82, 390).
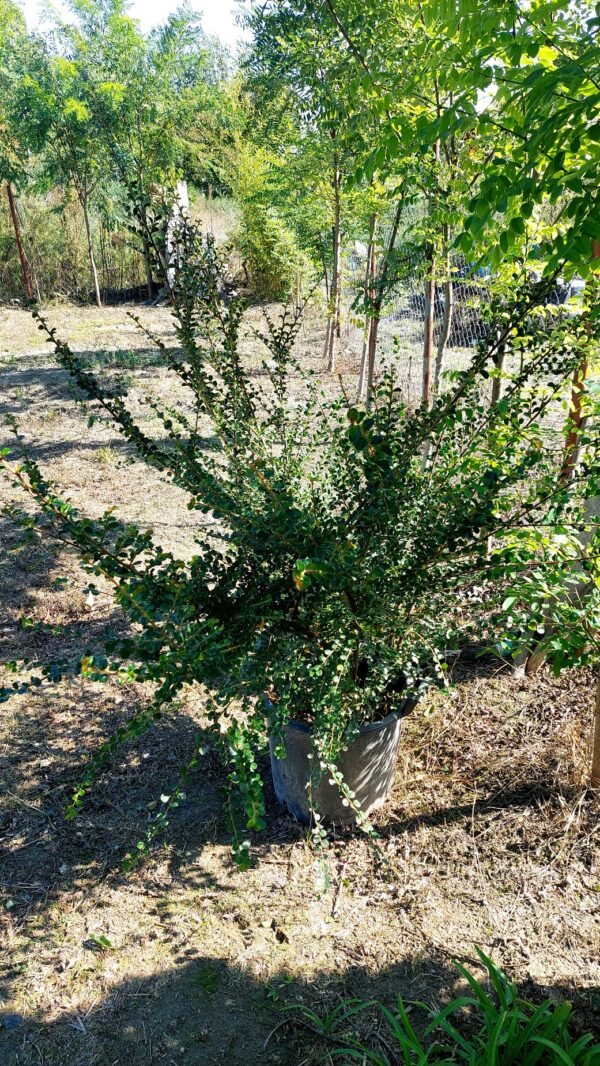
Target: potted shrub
(353, 548)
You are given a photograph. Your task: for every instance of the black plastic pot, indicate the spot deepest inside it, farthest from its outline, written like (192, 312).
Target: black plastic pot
(367, 767)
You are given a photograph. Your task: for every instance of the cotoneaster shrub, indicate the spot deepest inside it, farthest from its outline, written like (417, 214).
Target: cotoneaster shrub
(358, 546)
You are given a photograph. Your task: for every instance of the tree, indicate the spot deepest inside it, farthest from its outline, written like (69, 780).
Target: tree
(381, 91)
(471, 110)
(75, 154)
(295, 65)
(159, 107)
(15, 50)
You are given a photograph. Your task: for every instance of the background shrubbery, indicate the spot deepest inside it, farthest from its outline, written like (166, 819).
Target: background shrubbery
(57, 252)
(272, 259)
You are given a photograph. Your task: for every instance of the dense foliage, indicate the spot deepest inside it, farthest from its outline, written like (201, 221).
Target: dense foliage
(355, 548)
(96, 112)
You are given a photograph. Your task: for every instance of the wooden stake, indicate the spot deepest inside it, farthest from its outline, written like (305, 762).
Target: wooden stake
(576, 419)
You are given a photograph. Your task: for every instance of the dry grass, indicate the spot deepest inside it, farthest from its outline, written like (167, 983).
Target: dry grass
(491, 836)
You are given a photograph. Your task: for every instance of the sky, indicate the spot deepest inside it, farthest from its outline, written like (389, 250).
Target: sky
(218, 16)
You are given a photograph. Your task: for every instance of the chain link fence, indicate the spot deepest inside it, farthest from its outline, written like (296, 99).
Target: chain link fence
(404, 314)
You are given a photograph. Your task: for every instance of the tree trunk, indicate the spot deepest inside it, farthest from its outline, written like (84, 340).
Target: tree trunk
(298, 287)
(338, 308)
(429, 321)
(576, 411)
(576, 420)
(497, 387)
(372, 354)
(380, 290)
(334, 323)
(362, 377)
(595, 774)
(369, 297)
(448, 315)
(179, 214)
(148, 268)
(326, 277)
(88, 231)
(22, 256)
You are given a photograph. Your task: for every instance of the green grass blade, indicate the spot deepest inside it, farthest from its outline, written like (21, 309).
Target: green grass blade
(492, 1048)
(545, 1029)
(482, 997)
(562, 1056)
(500, 982)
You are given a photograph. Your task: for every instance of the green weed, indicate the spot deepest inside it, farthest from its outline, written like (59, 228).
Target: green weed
(480, 1028)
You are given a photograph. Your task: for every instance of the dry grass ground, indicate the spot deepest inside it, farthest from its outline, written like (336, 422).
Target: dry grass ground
(490, 834)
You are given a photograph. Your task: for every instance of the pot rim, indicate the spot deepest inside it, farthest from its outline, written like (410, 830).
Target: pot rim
(369, 727)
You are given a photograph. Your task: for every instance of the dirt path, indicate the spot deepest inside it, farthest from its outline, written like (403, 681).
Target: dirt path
(490, 835)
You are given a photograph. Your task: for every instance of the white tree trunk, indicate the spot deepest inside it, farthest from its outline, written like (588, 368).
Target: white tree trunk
(88, 230)
(179, 212)
(369, 297)
(448, 315)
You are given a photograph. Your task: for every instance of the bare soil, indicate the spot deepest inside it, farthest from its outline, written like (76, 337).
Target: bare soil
(491, 837)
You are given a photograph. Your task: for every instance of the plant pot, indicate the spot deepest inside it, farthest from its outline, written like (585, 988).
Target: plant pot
(367, 766)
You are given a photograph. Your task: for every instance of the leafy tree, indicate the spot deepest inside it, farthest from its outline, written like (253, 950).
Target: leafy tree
(16, 51)
(517, 86)
(156, 105)
(379, 88)
(74, 153)
(297, 68)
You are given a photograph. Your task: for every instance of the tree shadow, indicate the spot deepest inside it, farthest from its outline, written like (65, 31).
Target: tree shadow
(205, 1010)
(38, 578)
(114, 449)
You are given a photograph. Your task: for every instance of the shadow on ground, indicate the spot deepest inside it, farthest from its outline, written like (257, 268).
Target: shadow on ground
(486, 794)
(204, 1011)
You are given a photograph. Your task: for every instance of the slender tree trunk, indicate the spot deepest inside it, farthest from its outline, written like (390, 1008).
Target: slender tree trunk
(570, 461)
(372, 354)
(380, 290)
(148, 269)
(576, 411)
(448, 314)
(369, 295)
(362, 377)
(576, 420)
(595, 774)
(326, 277)
(17, 228)
(88, 231)
(429, 321)
(430, 285)
(338, 308)
(105, 262)
(498, 385)
(298, 287)
(338, 255)
(328, 336)
(334, 322)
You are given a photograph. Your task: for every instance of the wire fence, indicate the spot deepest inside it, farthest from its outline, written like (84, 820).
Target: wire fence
(405, 309)
(403, 322)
